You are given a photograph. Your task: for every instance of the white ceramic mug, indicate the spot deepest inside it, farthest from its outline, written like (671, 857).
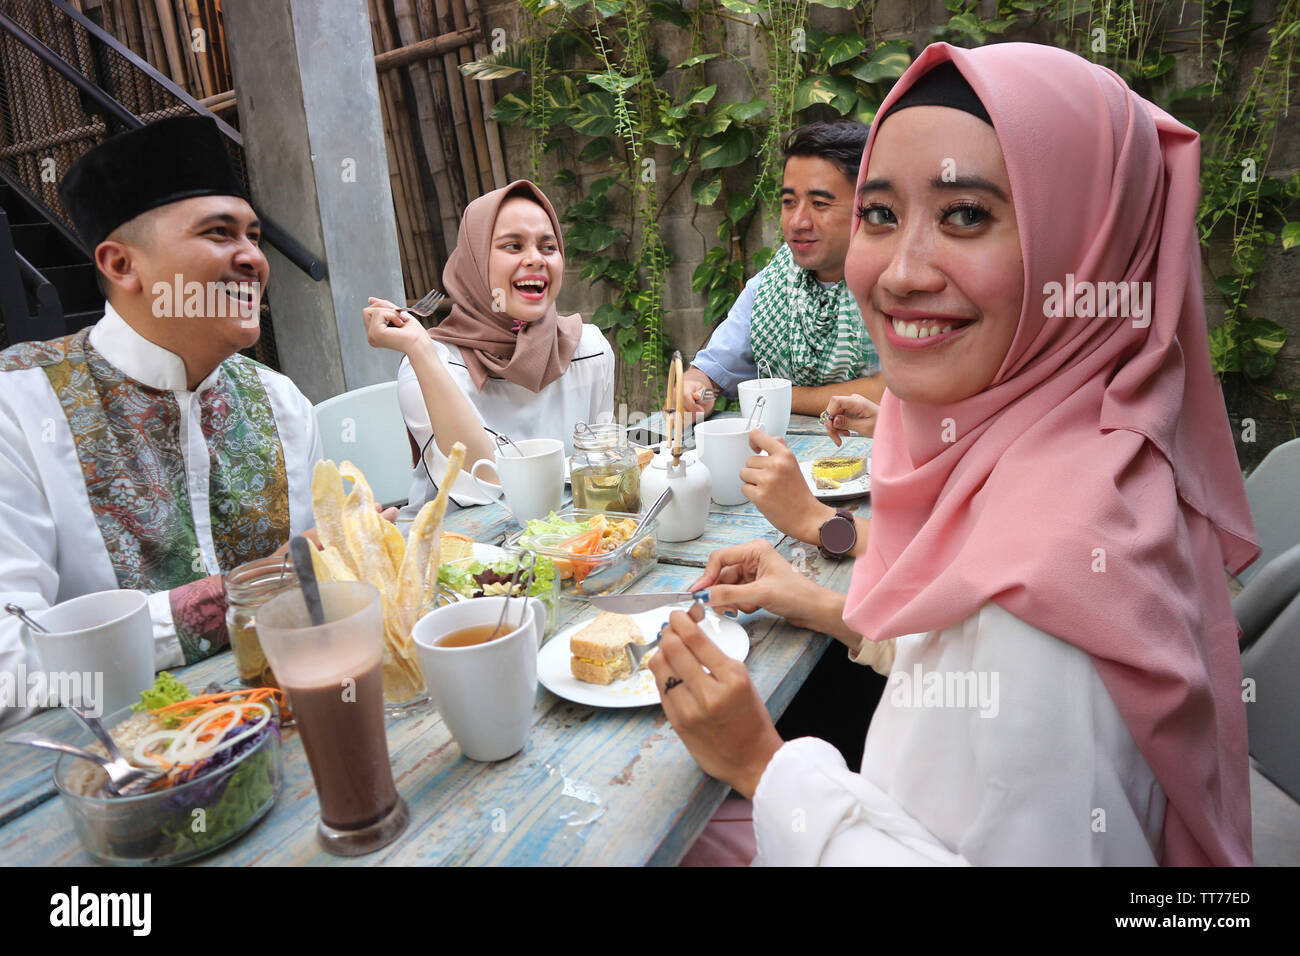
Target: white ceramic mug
(723, 445)
(107, 635)
(775, 417)
(533, 484)
(484, 692)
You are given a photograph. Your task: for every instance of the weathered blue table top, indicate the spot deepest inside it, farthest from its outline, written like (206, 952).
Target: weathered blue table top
(593, 786)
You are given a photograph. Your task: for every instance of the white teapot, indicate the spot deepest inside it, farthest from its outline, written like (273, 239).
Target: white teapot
(686, 514)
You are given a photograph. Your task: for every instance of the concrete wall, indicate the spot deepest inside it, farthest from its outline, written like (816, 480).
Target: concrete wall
(310, 116)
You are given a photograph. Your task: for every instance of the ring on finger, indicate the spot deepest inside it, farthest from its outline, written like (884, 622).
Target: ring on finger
(671, 682)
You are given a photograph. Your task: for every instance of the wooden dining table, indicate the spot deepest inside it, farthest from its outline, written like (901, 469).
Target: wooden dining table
(593, 786)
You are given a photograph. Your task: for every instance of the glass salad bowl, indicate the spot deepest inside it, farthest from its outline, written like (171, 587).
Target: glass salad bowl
(180, 822)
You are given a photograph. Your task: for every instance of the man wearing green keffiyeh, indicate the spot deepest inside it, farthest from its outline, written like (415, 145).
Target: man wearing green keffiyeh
(797, 318)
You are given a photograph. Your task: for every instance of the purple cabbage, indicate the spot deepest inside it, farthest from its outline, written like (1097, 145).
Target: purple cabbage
(208, 793)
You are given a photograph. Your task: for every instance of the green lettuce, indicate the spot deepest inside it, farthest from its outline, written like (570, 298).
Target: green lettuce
(166, 690)
(461, 579)
(551, 527)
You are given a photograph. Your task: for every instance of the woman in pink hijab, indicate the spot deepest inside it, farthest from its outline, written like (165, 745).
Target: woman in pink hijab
(505, 360)
(1055, 499)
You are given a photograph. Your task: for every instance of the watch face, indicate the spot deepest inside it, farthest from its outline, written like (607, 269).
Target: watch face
(839, 535)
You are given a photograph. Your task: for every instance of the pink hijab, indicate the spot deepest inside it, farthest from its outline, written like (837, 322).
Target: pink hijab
(536, 355)
(1093, 489)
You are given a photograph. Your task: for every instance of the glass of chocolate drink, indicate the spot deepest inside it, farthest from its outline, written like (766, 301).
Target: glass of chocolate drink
(334, 673)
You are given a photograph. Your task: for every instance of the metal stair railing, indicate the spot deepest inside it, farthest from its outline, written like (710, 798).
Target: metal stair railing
(65, 86)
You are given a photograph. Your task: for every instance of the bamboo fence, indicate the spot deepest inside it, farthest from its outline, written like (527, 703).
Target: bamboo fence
(442, 149)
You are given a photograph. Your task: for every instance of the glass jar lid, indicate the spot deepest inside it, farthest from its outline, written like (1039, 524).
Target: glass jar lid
(598, 436)
(256, 582)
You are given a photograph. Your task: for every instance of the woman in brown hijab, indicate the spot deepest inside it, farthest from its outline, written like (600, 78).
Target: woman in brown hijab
(504, 360)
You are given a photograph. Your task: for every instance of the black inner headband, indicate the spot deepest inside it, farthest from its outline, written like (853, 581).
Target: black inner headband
(942, 86)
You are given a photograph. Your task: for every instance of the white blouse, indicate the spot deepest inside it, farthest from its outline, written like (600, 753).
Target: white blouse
(993, 744)
(584, 393)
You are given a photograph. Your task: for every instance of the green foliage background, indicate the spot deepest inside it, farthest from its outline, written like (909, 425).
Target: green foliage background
(595, 82)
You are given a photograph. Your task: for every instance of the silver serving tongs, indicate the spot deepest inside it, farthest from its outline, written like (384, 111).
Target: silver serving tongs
(515, 581)
(756, 413)
(503, 440)
(22, 615)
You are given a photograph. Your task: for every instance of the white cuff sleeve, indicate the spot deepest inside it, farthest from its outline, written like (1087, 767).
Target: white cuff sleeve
(166, 645)
(810, 810)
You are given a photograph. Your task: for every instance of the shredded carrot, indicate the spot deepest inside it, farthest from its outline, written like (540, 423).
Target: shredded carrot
(187, 711)
(588, 542)
(251, 696)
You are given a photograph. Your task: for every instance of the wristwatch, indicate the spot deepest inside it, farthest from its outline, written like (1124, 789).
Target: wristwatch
(838, 535)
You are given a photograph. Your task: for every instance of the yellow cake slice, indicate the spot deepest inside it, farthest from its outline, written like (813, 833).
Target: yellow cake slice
(838, 469)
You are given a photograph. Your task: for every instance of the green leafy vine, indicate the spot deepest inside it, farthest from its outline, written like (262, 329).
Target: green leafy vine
(598, 89)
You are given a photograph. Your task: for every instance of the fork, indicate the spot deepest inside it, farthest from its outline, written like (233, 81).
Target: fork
(424, 309)
(640, 651)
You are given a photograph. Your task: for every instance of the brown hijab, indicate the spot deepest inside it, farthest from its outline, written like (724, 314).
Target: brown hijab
(540, 351)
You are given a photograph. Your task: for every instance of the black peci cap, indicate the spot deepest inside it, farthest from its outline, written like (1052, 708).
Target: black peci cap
(157, 164)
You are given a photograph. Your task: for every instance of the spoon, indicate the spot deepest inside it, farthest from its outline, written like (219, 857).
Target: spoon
(119, 784)
(26, 618)
(300, 549)
(659, 505)
(652, 512)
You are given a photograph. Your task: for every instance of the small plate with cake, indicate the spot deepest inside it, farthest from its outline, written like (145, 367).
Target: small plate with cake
(837, 477)
(588, 662)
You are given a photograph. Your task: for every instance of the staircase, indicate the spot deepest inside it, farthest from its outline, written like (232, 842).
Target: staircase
(59, 294)
(66, 85)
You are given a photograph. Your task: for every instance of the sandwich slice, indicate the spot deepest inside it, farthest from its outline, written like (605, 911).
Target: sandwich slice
(600, 649)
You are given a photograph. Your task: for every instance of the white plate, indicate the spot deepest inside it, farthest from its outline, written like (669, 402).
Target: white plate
(847, 490)
(487, 553)
(484, 554)
(639, 690)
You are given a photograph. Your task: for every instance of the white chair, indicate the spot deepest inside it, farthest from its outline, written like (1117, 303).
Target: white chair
(365, 426)
(1273, 490)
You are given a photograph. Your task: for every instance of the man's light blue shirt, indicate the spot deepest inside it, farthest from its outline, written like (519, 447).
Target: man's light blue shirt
(728, 359)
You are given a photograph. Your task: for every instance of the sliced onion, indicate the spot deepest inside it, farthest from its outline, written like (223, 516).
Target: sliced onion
(183, 745)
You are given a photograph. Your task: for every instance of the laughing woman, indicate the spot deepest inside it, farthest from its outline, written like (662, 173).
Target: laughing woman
(1055, 499)
(504, 361)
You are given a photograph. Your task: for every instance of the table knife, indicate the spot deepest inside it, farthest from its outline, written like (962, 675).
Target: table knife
(636, 603)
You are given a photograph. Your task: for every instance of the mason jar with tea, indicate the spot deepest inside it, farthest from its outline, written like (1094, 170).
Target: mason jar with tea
(248, 587)
(604, 472)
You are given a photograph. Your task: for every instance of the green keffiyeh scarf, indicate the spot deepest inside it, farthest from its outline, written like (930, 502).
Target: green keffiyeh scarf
(800, 331)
